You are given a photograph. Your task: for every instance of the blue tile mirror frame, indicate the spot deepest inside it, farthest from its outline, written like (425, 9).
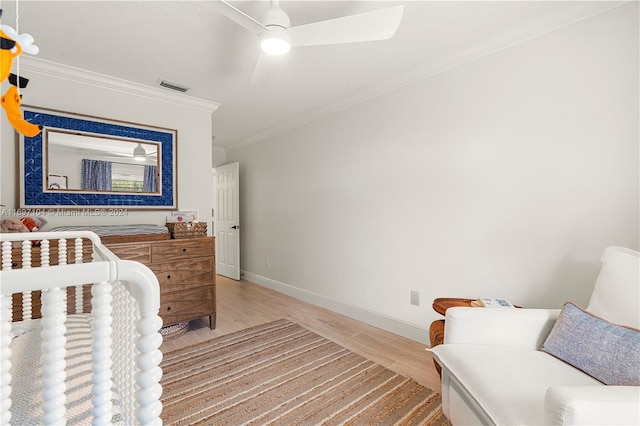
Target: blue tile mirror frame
(125, 147)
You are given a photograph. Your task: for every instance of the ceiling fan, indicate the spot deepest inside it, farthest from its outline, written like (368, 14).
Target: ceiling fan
(277, 36)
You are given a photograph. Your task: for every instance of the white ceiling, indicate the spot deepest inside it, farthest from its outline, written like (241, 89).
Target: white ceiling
(189, 43)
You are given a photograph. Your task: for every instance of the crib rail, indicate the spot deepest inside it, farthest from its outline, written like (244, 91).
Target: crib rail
(125, 301)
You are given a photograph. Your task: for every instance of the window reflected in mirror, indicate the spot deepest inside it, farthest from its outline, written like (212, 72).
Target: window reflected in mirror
(86, 162)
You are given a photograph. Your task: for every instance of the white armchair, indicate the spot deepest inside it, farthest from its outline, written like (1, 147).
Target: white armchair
(493, 371)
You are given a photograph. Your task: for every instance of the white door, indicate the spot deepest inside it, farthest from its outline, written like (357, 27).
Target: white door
(226, 217)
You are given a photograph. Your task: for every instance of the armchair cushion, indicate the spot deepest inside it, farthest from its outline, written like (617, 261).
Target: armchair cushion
(616, 294)
(607, 352)
(592, 405)
(524, 328)
(507, 384)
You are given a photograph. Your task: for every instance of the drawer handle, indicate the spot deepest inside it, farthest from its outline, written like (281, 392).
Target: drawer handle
(184, 250)
(14, 264)
(168, 308)
(168, 277)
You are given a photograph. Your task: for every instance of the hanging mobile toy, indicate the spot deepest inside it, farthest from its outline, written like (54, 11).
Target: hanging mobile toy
(11, 103)
(12, 45)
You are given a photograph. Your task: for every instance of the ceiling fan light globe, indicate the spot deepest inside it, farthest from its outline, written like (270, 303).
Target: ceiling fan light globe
(274, 45)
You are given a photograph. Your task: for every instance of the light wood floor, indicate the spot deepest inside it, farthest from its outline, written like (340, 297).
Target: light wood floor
(242, 304)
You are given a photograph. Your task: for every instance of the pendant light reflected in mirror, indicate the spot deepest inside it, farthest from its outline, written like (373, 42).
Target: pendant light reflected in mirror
(139, 154)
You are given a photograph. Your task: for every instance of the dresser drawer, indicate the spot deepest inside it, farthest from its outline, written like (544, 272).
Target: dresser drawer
(137, 252)
(186, 305)
(184, 274)
(167, 251)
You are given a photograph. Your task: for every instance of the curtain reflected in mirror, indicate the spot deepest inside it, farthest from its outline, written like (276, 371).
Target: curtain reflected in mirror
(150, 182)
(96, 175)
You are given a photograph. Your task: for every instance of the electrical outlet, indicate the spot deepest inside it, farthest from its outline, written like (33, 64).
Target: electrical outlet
(415, 298)
(267, 262)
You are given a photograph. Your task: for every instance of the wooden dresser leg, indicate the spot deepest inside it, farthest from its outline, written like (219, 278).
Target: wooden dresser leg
(212, 321)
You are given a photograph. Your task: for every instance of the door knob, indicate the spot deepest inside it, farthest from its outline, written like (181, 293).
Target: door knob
(235, 227)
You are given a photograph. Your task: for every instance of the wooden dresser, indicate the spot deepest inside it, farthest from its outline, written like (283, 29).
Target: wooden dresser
(186, 272)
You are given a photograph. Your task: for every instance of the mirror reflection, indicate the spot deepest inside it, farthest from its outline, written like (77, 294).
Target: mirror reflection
(86, 162)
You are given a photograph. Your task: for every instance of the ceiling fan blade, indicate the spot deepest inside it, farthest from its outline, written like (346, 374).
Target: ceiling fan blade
(376, 25)
(268, 66)
(115, 155)
(261, 71)
(239, 17)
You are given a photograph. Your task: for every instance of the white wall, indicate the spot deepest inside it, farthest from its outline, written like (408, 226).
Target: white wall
(66, 89)
(218, 156)
(504, 177)
(67, 163)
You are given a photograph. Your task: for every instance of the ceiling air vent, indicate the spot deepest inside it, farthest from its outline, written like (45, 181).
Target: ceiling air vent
(173, 86)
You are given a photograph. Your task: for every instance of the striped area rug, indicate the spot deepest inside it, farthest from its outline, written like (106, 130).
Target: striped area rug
(282, 374)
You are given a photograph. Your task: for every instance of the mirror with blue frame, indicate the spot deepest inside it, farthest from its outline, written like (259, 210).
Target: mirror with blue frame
(85, 162)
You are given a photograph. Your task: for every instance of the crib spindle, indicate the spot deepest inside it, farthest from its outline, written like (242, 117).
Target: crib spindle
(27, 302)
(77, 248)
(62, 251)
(149, 373)
(131, 352)
(6, 255)
(5, 358)
(45, 253)
(133, 316)
(78, 288)
(26, 254)
(53, 356)
(62, 260)
(102, 350)
(118, 342)
(122, 350)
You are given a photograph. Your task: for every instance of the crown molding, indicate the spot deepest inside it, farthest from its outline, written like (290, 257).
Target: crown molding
(65, 72)
(574, 12)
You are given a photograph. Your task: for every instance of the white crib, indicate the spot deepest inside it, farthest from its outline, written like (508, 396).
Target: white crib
(115, 375)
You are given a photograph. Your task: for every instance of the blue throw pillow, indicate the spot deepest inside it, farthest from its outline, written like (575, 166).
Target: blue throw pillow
(607, 352)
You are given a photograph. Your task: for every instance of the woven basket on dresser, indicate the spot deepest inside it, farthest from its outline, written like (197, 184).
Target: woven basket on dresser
(188, 229)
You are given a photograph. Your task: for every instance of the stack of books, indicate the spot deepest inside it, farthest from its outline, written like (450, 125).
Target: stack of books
(490, 302)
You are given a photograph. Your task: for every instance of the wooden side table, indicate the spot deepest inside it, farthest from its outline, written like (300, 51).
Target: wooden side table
(436, 330)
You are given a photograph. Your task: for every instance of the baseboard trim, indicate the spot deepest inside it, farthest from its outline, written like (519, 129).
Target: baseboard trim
(402, 328)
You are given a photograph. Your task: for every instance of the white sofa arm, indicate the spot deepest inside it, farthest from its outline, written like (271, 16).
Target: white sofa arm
(524, 328)
(593, 405)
